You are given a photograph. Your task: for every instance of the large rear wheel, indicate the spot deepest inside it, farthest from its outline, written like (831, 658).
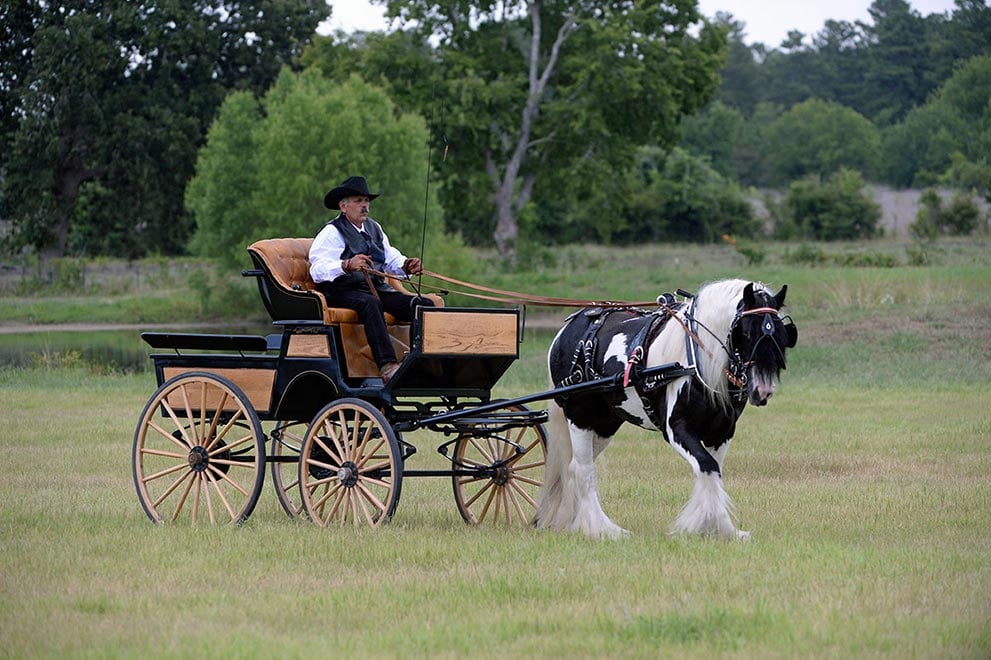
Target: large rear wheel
(199, 452)
(350, 469)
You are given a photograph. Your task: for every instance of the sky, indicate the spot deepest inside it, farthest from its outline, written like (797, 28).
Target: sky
(767, 21)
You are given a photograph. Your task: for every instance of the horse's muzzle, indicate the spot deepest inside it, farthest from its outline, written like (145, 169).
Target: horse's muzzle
(761, 390)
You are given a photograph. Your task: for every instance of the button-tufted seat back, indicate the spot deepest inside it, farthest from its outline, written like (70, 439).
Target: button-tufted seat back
(289, 293)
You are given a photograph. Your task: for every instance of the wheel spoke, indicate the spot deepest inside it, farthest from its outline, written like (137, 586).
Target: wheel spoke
(209, 498)
(158, 475)
(166, 454)
(182, 499)
(179, 426)
(333, 433)
(171, 438)
(511, 494)
(231, 423)
(369, 495)
(175, 484)
(220, 494)
(363, 501)
(522, 493)
(481, 491)
(214, 420)
(330, 491)
(333, 453)
(219, 475)
(232, 463)
(486, 456)
(527, 480)
(196, 498)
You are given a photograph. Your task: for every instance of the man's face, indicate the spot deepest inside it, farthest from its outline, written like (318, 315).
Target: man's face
(355, 209)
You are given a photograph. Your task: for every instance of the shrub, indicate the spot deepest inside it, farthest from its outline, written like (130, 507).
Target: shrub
(805, 254)
(866, 260)
(960, 218)
(838, 209)
(753, 253)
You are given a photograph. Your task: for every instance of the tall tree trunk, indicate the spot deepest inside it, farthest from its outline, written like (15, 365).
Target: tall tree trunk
(510, 193)
(70, 174)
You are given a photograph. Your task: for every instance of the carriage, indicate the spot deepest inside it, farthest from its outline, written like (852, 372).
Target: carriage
(307, 405)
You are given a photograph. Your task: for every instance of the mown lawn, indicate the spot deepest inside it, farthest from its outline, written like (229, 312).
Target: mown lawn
(866, 484)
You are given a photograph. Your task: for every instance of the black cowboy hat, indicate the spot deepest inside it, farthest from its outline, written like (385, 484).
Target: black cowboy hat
(353, 186)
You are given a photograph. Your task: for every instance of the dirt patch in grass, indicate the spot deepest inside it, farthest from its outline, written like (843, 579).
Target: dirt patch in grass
(942, 332)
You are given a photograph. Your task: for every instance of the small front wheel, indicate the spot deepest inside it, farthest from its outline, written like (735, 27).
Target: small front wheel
(350, 468)
(199, 452)
(498, 474)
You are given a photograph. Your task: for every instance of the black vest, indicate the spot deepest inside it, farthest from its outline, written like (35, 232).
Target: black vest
(370, 242)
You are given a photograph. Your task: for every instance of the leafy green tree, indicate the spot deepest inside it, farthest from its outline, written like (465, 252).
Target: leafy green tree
(820, 137)
(949, 138)
(839, 67)
(529, 90)
(106, 103)
(837, 209)
(741, 75)
(752, 164)
(898, 60)
(715, 134)
(680, 197)
(267, 165)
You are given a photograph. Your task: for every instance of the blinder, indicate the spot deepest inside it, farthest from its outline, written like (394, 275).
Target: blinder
(768, 330)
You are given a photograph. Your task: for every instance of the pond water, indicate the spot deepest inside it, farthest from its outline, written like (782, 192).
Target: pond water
(118, 349)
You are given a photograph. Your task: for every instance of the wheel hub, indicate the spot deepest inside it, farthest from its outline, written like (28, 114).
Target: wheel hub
(501, 475)
(198, 459)
(348, 474)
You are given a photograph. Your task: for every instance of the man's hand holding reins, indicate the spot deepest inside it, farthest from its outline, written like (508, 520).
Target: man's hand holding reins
(357, 262)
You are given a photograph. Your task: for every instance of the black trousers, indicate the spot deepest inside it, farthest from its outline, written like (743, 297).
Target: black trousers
(370, 310)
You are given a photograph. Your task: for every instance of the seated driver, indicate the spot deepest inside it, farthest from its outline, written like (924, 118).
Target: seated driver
(343, 249)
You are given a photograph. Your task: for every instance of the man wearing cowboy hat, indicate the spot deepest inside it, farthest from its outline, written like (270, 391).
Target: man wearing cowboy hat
(344, 250)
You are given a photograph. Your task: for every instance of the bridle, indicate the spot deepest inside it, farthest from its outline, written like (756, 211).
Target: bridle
(772, 316)
(736, 371)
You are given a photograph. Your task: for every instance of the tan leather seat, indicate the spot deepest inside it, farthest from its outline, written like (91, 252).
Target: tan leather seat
(294, 296)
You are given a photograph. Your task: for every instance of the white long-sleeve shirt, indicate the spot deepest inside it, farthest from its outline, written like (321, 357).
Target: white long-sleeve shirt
(326, 264)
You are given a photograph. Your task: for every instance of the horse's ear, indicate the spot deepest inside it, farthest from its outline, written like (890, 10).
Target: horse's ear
(749, 301)
(780, 296)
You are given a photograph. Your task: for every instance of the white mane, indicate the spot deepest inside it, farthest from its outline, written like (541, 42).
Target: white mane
(715, 309)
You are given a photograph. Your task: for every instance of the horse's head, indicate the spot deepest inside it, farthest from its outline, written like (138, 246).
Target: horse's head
(759, 337)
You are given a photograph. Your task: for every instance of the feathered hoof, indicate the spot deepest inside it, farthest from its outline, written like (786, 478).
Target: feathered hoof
(609, 531)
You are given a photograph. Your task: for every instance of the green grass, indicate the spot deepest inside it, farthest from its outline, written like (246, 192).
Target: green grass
(865, 483)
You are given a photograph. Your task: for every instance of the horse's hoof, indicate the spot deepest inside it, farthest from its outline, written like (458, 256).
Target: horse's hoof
(742, 535)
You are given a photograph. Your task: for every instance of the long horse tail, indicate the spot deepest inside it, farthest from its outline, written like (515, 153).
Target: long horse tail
(556, 509)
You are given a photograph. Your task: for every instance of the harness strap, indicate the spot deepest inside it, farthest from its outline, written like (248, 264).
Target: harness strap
(501, 295)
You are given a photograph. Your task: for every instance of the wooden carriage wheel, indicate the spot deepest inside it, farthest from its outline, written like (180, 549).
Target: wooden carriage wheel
(350, 468)
(287, 440)
(504, 484)
(199, 452)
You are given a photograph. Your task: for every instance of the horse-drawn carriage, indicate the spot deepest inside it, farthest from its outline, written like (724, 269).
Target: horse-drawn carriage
(307, 402)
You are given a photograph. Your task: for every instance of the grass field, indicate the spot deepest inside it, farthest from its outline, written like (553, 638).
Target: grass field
(866, 484)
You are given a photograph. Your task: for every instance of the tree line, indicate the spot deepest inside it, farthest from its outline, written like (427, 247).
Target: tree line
(160, 128)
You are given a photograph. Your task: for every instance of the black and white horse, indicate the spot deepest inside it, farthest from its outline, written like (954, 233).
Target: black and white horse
(730, 340)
